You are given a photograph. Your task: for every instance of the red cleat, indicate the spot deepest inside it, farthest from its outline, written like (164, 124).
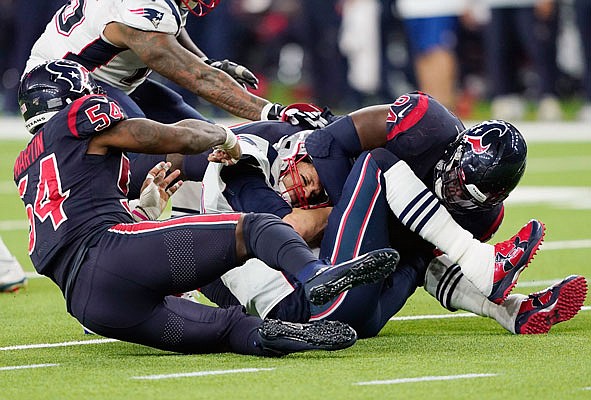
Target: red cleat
(558, 303)
(512, 256)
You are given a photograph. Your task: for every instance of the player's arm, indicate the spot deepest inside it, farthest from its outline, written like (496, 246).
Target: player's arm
(185, 40)
(164, 54)
(145, 136)
(370, 123)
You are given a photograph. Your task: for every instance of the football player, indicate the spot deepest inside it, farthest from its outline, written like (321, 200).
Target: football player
(118, 276)
(435, 177)
(121, 42)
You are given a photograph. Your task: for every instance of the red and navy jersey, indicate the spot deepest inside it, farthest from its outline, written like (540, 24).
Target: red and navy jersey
(71, 196)
(418, 130)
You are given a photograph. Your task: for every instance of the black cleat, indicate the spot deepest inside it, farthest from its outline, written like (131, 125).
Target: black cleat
(334, 280)
(280, 337)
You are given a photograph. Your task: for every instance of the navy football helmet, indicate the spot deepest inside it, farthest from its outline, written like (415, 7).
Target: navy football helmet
(200, 7)
(481, 168)
(50, 87)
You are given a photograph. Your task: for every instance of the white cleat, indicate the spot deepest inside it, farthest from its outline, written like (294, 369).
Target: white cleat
(12, 275)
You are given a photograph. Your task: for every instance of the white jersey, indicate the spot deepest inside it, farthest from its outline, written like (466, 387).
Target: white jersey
(76, 33)
(212, 197)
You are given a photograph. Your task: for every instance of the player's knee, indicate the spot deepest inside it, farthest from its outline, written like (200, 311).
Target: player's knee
(384, 158)
(252, 226)
(255, 223)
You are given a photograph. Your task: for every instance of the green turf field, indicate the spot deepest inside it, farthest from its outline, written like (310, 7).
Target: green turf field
(417, 356)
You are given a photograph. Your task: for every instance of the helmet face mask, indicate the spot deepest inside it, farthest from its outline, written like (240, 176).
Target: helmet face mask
(481, 167)
(297, 186)
(200, 8)
(50, 87)
(293, 154)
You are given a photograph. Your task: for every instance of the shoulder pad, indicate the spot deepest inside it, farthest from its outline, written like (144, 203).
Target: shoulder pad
(406, 112)
(90, 115)
(153, 16)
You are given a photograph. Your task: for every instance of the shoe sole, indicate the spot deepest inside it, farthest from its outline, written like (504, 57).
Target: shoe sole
(287, 337)
(13, 287)
(571, 297)
(500, 299)
(368, 268)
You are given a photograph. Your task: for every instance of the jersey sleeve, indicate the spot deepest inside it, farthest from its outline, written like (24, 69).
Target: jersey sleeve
(151, 15)
(419, 129)
(91, 115)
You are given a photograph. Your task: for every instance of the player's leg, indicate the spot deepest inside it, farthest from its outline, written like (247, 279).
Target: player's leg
(357, 224)
(263, 290)
(493, 269)
(12, 275)
(275, 243)
(519, 314)
(121, 291)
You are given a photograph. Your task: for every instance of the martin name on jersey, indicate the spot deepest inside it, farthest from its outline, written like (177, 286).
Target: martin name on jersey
(68, 194)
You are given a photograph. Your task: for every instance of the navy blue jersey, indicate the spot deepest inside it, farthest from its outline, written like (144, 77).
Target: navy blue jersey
(417, 129)
(69, 195)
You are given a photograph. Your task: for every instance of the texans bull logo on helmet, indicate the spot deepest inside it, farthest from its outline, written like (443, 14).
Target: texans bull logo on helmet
(479, 139)
(74, 75)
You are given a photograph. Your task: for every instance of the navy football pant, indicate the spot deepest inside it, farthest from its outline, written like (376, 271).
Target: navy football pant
(125, 286)
(358, 224)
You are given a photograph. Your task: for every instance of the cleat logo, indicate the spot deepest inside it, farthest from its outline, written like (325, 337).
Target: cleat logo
(510, 259)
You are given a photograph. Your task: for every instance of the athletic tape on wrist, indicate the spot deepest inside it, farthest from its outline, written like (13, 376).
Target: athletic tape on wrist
(231, 139)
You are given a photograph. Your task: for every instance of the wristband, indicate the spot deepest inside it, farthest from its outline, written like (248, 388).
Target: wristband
(231, 139)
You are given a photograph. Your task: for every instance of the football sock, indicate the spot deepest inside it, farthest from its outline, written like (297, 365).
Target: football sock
(421, 211)
(276, 243)
(445, 281)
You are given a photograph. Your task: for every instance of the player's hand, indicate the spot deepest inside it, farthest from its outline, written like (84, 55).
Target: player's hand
(241, 74)
(156, 191)
(305, 115)
(222, 157)
(229, 152)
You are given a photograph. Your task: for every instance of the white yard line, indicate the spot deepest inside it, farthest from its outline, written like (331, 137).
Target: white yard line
(27, 366)
(102, 341)
(425, 379)
(62, 344)
(201, 373)
(453, 315)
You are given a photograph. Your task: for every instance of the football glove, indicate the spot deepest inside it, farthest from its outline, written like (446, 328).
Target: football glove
(239, 73)
(306, 115)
